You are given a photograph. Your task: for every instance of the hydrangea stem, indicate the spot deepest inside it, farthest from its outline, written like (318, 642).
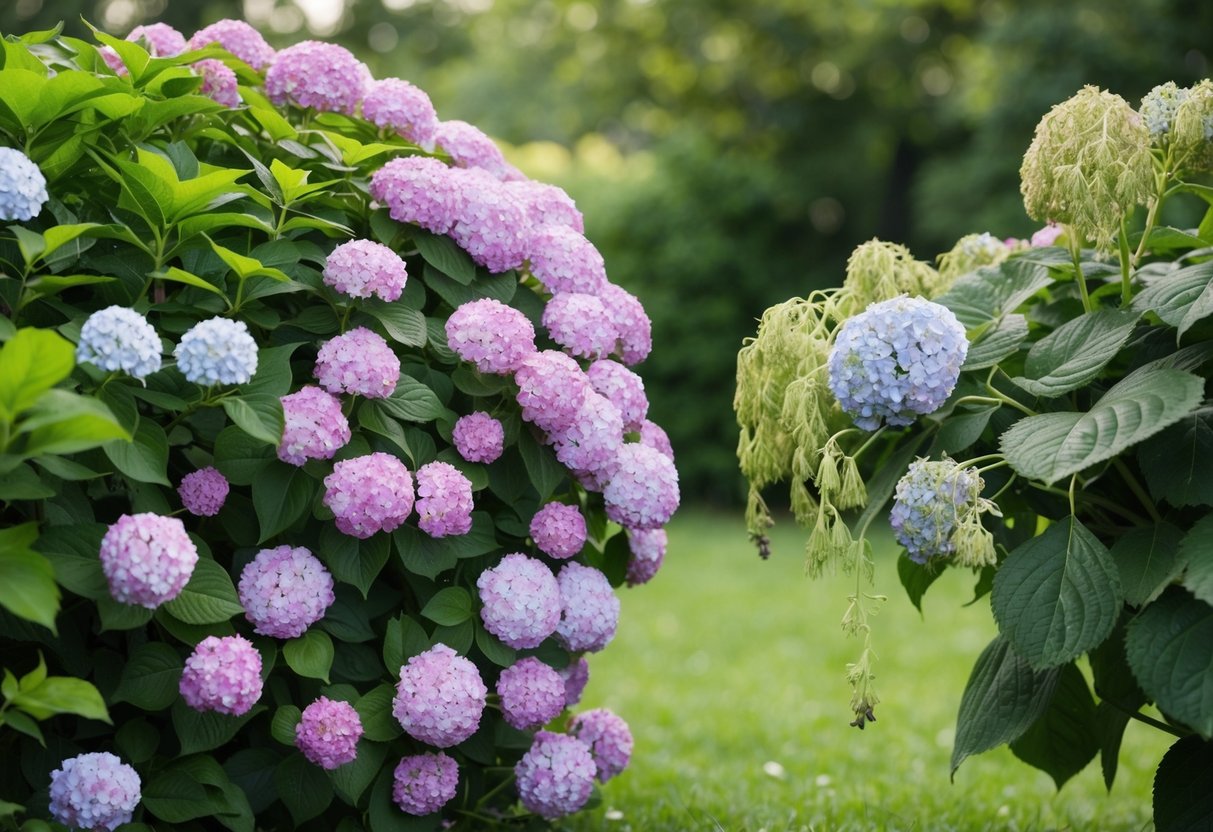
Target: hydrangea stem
(1126, 265)
(1079, 278)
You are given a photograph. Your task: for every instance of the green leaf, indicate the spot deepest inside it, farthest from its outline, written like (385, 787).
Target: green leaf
(310, 655)
(444, 254)
(252, 770)
(273, 376)
(1002, 699)
(1170, 648)
(150, 677)
(145, 457)
(281, 495)
(176, 275)
(404, 325)
(1183, 787)
(282, 727)
(1178, 463)
(1074, 353)
(207, 730)
(1148, 559)
(544, 470)
(916, 578)
(24, 724)
(960, 430)
(352, 779)
(73, 551)
(195, 787)
(61, 422)
(62, 695)
(1110, 724)
(413, 402)
(496, 652)
(990, 293)
(375, 711)
(258, 416)
(449, 606)
(31, 362)
(353, 561)
(429, 557)
(1051, 446)
(1196, 552)
(403, 639)
(1180, 298)
(1066, 736)
(240, 457)
(385, 815)
(27, 578)
(208, 598)
(458, 637)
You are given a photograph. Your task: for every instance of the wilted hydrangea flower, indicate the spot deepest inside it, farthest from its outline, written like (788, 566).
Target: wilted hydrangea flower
(576, 676)
(608, 737)
(147, 559)
(284, 591)
(559, 530)
(547, 205)
(217, 351)
(237, 37)
(589, 609)
(203, 492)
(556, 776)
(440, 697)
(358, 362)
(328, 733)
(551, 389)
(532, 694)
(580, 324)
(643, 490)
(1158, 109)
(314, 426)
(930, 502)
(589, 447)
(520, 601)
(424, 783)
(394, 104)
(418, 190)
(360, 268)
(117, 338)
(629, 317)
(478, 437)
(94, 791)
(624, 388)
(563, 260)
(323, 76)
(22, 186)
(1047, 236)
(368, 494)
(222, 675)
(218, 82)
(469, 147)
(493, 336)
(490, 224)
(444, 500)
(896, 360)
(163, 41)
(648, 551)
(653, 435)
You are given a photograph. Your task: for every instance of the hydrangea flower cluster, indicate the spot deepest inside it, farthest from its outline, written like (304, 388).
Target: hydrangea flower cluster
(439, 698)
(489, 223)
(94, 791)
(558, 530)
(163, 41)
(1158, 109)
(328, 733)
(532, 694)
(654, 436)
(147, 559)
(551, 389)
(589, 609)
(313, 426)
(624, 389)
(237, 37)
(218, 82)
(580, 323)
(323, 76)
(217, 351)
(590, 446)
(424, 783)
(284, 591)
(223, 674)
(576, 676)
(1047, 235)
(629, 317)
(896, 360)
(203, 492)
(556, 775)
(547, 205)
(563, 260)
(369, 494)
(118, 338)
(22, 186)
(643, 490)
(419, 191)
(361, 268)
(396, 105)
(495, 337)
(929, 505)
(647, 547)
(608, 737)
(469, 147)
(444, 500)
(478, 437)
(521, 601)
(358, 362)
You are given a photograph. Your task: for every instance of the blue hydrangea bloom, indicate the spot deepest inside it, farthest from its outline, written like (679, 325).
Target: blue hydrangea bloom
(217, 351)
(928, 504)
(117, 338)
(22, 186)
(1159, 106)
(896, 360)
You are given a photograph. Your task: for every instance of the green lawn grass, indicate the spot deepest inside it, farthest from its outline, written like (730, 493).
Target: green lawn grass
(730, 672)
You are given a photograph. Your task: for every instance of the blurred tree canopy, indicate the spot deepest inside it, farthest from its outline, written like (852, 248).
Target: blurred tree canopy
(731, 153)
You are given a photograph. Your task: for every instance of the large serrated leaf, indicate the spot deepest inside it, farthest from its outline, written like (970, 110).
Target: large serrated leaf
(444, 254)
(1180, 298)
(413, 402)
(992, 292)
(1148, 558)
(1066, 736)
(1196, 552)
(1183, 787)
(208, 598)
(404, 325)
(1074, 353)
(996, 342)
(1170, 649)
(1178, 463)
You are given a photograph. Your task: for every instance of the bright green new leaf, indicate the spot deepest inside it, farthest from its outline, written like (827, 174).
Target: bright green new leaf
(62, 695)
(208, 598)
(31, 362)
(27, 579)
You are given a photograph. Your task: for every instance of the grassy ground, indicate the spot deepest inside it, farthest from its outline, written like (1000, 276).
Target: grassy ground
(729, 671)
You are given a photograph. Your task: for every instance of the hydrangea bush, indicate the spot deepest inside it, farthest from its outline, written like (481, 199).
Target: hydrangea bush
(314, 493)
(1036, 412)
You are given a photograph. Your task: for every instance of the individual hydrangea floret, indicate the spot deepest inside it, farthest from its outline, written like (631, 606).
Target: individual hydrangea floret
(147, 559)
(237, 37)
(328, 733)
(203, 492)
(284, 591)
(490, 224)
(440, 697)
(520, 601)
(217, 351)
(418, 190)
(629, 317)
(163, 41)
(647, 547)
(576, 676)
(643, 490)
(218, 82)
(556, 775)
(495, 337)
(469, 147)
(580, 324)
(548, 205)
(1158, 109)
(563, 260)
(590, 445)
(654, 435)
(323, 76)
(551, 390)
(94, 791)
(478, 437)
(444, 500)
(896, 360)
(532, 694)
(395, 104)
(359, 362)
(589, 609)
(623, 388)
(424, 783)
(361, 268)
(369, 494)
(608, 737)
(559, 530)
(118, 338)
(223, 674)
(22, 186)
(314, 427)
(928, 505)
(1047, 235)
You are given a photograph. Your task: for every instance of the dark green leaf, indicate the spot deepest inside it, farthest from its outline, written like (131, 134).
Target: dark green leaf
(282, 726)
(442, 253)
(1147, 558)
(208, 598)
(996, 342)
(1066, 736)
(458, 637)
(375, 711)
(493, 649)
(73, 551)
(353, 561)
(1183, 788)
(260, 416)
(403, 639)
(990, 293)
(1178, 463)
(352, 779)
(1074, 353)
(960, 430)
(916, 578)
(429, 557)
(1110, 723)
(449, 606)
(1180, 298)
(310, 655)
(404, 325)
(145, 457)
(542, 467)
(137, 740)
(252, 770)
(207, 730)
(281, 495)
(413, 402)
(150, 677)
(1196, 552)
(1170, 648)
(240, 457)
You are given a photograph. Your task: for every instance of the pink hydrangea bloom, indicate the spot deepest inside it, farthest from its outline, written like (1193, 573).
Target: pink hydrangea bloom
(394, 104)
(418, 190)
(444, 500)
(495, 337)
(328, 733)
(490, 224)
(643, 490)
(369, 494)
(439, 698)
(647, 548)
(548, 205)
(323, 76)
(624, 388)
(424, 783)
(589, 609)
(361, 268)
(576, 676)
(163, 41)
(563, 260)
(237, 37)
(113, 60)
(469, 147)
(520, 601)
(589, 446)
(284, 591)
(556, 776)
(203, 492)
(580, 324)
(654, 435)
(608, 737)
(314, 426)
(1048, 235)
(478, 437)
(359, 362)
(218, 82)
(532, 694)
(551, 390)
(147, 559)
(558, 530)
(94, 791)
(223, 675)
(628, 315)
